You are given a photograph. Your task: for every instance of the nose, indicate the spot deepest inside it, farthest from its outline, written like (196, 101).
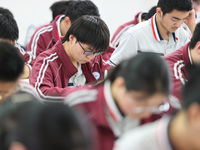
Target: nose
(179, 23)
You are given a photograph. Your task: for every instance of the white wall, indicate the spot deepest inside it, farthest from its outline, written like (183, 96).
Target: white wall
(113, 12)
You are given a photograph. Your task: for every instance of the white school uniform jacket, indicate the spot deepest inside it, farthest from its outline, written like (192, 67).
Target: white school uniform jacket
(152, 136)
(145, 37)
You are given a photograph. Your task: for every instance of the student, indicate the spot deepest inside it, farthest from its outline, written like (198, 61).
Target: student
(11, 69)
(134, 90)
(9, 32)
(181, 61)
(178, 132)
(26, 124)
(46, 36)
(66, 64)
(161, 34)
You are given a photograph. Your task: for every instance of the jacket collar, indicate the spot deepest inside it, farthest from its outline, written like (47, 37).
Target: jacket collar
(156, 31)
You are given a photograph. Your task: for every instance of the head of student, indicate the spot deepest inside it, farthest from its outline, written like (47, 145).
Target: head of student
(26, 124)
(11, 68)
(191, 108)
(76, 9)
(140, 85)
(88, 36)
(59, 8)
(173, 13)
(9, 30)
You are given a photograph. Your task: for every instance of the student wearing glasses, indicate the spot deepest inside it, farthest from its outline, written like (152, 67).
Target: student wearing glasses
(133, 91)
(67, 64)
(180, 131)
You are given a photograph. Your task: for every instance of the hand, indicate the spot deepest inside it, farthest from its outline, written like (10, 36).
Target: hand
(191, 21)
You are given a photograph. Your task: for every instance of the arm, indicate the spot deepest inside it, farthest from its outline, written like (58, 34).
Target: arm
(42, 78)
(191, 21)
(128, 47)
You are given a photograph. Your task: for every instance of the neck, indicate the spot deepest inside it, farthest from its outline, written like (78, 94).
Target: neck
(163, 32)
(177, 132)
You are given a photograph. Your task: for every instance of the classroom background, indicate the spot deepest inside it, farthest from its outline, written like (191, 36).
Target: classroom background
(29, 13)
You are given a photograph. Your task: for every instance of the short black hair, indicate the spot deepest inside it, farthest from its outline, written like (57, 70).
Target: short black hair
(11, 62)
(150, 13)
(11, 110)
(77, 9)
(196, 37)
(51, 125)
(8, 28)
(168, 6)
(146, 72)
(91, 30)
(59, 8)
(6, 12)
(190, 91)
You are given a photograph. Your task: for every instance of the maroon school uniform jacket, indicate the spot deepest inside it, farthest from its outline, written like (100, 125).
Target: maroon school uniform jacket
(178, 62)
(53, 69)
(44, 38)
(92, 101)
(108, 120)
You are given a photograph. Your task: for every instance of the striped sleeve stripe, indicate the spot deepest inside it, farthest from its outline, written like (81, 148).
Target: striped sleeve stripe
(177, 70)
(118, 36)
(21, 50)
(81, 96)
(40, 77)
(36, 38)
(30, 57)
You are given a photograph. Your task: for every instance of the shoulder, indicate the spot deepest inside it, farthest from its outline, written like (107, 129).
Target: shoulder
(43, 30)
(140, 135)
(28, 88)
(141, 27)
(82, 94)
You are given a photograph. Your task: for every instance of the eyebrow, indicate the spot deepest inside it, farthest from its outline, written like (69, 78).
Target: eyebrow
(179, 18)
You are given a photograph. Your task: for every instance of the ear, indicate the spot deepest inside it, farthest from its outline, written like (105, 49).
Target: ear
(159, 11)
(72, 38)
(67, 21)
(17, 146)
(197, 47)
(120, 83)
(194, 115)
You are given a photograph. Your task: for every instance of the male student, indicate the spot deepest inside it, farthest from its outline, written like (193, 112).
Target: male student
(9, 32)
(181, 61)
(46, 36)
(67, 63)
(134, 90)
(178, 132)
(161, 34)
(11, 69)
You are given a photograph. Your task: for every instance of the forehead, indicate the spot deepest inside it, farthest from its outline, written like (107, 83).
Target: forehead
(142, 97)
(178, 14)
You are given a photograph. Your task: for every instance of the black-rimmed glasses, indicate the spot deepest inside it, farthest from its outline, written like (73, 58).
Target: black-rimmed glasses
(89, 52)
